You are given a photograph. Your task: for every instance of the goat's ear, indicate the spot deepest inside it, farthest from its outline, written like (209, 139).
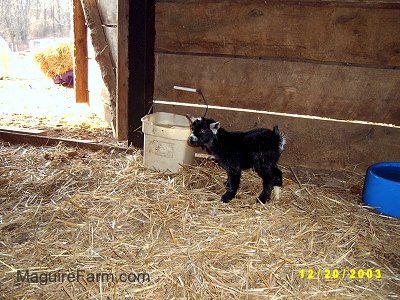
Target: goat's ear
(214, 127)
(190, 118)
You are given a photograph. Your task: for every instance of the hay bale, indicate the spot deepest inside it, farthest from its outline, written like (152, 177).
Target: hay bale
(64, 210)
(55, 60)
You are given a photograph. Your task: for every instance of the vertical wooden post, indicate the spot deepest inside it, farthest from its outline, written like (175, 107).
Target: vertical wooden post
(141, 66)
(80, 54)
(122, 71)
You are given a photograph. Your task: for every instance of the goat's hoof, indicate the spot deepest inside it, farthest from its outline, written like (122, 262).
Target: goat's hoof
(276, 193)
(226, 198)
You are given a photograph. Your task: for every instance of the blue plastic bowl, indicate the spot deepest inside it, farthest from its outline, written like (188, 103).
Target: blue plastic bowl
(382, 188)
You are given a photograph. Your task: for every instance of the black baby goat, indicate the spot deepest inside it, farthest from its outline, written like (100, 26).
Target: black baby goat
(258, 148)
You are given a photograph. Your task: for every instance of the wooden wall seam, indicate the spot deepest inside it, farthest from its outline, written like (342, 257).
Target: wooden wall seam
(271, 58)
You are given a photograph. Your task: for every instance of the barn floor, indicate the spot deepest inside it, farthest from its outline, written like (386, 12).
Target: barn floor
(68, 211)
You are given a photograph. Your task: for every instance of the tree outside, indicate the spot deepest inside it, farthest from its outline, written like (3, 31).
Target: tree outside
(23, 20)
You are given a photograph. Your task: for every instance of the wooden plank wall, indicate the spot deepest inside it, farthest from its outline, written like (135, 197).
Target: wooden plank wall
(326, 59)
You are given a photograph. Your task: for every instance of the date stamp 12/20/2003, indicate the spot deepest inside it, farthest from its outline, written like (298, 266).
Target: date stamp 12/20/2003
(329, 274)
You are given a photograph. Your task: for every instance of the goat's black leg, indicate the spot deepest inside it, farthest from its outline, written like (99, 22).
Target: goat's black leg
(266, 172)
(232, 185)
(277, 176)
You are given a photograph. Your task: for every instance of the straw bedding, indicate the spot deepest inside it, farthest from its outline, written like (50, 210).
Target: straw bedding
(63, 210)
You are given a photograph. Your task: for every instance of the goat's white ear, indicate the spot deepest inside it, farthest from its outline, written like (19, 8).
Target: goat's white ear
(214, 127)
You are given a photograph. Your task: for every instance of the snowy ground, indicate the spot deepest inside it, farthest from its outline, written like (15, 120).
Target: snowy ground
(28, 99)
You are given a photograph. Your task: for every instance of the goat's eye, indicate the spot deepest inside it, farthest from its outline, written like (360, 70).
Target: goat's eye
(202, 131)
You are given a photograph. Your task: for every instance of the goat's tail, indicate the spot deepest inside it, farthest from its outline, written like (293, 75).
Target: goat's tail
(282, 139)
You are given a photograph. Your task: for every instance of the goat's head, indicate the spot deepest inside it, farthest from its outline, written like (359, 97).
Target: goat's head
(203, 131)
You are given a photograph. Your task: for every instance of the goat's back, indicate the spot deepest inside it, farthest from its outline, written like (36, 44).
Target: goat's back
(258, 139)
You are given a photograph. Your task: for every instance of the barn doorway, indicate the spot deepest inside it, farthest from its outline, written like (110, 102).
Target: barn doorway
(32, 99)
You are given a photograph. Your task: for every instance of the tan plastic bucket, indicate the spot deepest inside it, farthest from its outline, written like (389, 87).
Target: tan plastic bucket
(165, 142)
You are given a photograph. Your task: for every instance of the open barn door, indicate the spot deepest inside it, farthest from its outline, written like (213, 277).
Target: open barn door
(105, 59)
(122, 33)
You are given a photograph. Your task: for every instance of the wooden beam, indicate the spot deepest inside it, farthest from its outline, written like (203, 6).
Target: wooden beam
(141, 66)
(36, 140)
(323, 3)
(102, 51)
(23, 130)
(80, 54)
(123, 72)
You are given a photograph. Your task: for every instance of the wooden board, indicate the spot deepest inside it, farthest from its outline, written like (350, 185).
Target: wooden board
(108, 12)
(123, 72)
(346, 3)
(339, 92)
(102, 52)
(14, 129)
(314, 143)
(80, 54)
(282, 29)
(36, 140)
(111, 35)
(112, 42)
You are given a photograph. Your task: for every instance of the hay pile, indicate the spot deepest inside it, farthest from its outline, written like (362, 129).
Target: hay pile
(56, 60)
(64, 210)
